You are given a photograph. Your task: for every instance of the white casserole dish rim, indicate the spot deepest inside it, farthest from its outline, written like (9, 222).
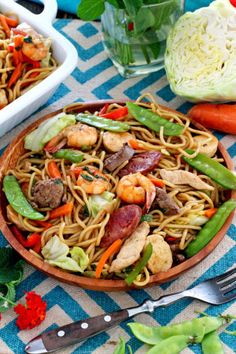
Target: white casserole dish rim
(43, 24)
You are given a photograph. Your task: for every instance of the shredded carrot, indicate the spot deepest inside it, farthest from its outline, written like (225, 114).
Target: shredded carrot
(134, 144)
(53, 170)
(5, 25)
(210, 212)
(12, 22)
(15, 75)
(157, 182)
(61, 211)
(115, 246)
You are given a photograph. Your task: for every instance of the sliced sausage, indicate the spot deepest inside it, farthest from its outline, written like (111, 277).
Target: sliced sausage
(143, 163)
(48, 193)
(122, 224)
(115, 160)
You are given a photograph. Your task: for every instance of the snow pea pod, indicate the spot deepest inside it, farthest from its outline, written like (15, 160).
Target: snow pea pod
(103, 123)
(213, 169)
(211, 344)
(154, 121)
(120, 348)
(210, 229)
(17, 199)
(69, 155)
(140, 265)
(171, 345)
(196, 328)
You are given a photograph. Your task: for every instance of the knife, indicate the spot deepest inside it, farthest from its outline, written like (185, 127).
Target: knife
(212, 291)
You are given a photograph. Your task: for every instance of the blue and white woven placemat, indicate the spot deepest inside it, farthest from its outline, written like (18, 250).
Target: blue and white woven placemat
(96, 78)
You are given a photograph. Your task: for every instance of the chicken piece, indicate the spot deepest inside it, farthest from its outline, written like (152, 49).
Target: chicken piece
(185, 177)
(113, 142)
(161, 259)
(208, 146)
(13, 217)
(3, 98)
(131, 249)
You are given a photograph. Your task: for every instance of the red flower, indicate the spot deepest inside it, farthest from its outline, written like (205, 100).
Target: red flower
(33, 313)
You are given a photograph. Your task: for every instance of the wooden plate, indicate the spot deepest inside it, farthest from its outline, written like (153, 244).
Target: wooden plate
(8, 161)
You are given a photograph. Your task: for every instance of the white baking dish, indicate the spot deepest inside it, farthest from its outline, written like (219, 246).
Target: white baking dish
(63, 51)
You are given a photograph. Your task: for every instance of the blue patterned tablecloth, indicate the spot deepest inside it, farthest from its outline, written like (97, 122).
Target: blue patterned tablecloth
(96, 78)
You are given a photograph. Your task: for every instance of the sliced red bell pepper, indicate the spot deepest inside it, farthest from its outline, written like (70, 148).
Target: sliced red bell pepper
(28, 242)
(116, 113)
(104, 109)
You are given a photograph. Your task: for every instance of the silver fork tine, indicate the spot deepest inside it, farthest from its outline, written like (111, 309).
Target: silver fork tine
(230, 288)
(230, 297)
(225, 275)
(226, 283)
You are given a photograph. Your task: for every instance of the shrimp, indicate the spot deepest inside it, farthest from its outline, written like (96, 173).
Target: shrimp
(35, 46)
(114, 142)
(92, 181)
(136, 189)
(35, 49)
(77, 135)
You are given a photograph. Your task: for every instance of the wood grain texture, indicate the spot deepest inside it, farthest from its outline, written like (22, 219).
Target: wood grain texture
(9, 159)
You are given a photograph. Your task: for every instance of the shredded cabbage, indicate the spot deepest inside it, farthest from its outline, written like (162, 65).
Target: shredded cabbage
(55, 252)
(36, 140)
(200, 59)
(100, 202)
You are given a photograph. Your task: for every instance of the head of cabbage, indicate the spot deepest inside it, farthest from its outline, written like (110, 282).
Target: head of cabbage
(200, 58)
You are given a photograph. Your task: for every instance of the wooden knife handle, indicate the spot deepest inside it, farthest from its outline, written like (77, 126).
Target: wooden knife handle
(81, 330)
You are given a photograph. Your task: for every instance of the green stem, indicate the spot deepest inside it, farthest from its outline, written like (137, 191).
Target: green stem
(9, 301)
(145, 54)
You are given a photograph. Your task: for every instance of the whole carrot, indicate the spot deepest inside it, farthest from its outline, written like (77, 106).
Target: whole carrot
(215, 116)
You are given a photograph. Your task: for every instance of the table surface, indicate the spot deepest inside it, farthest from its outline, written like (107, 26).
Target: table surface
(96, 78)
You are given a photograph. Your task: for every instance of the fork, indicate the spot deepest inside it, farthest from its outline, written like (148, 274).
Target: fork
(214, 291)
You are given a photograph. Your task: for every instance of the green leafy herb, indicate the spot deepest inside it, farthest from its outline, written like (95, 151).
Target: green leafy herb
(11, 274)
(86, 177)
(89, 10)
(146, 217)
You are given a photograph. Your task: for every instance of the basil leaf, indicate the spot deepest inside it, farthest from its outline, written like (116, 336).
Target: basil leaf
(144, 20)
(133, 6)
(116, 3)
(155, 48)
(8, 292)
(89, 10)
(9, 275)
(8, 257)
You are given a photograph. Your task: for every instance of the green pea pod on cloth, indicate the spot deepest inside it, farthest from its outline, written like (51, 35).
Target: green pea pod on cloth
(103, 123)
(195, 328)
(69, 155)
(17, 199)
(172, 345)
(153, 120)
(213, 169)
(210, 229)
(211, 344)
